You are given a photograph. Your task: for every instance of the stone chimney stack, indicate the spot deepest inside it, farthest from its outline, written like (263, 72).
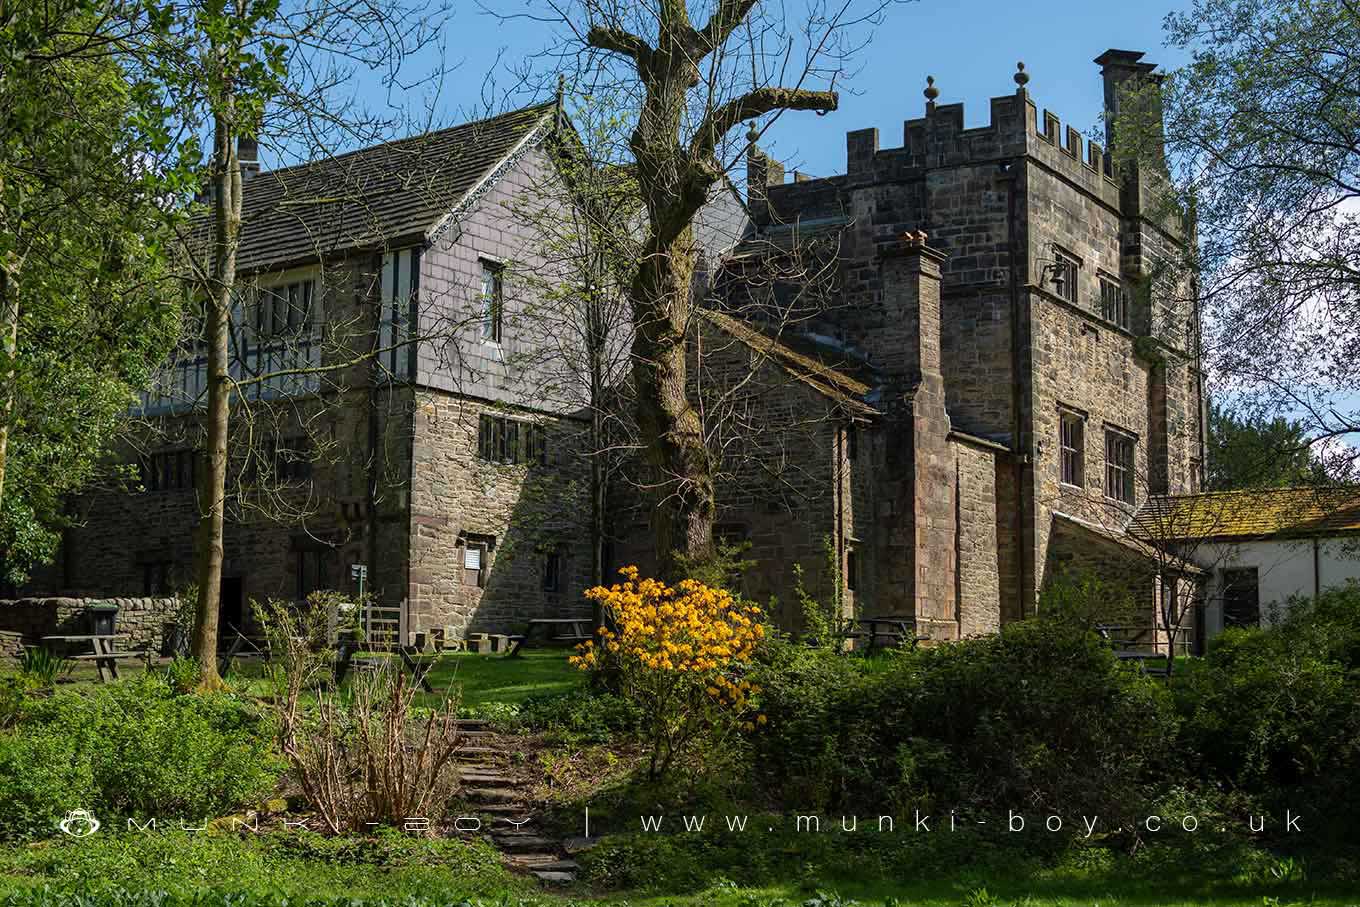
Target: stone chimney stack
(248, 155)
(1120, 69)
(907, 346)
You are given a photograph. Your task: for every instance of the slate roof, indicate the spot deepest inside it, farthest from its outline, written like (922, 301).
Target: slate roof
(1241, 515)
(368, 198)
(807, 234)
(832, 373)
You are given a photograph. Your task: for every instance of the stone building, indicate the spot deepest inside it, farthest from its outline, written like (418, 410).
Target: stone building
(995, 382)
(437, 459)
(987, 381)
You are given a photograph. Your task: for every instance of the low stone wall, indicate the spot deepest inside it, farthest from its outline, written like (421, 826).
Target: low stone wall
(142, 619)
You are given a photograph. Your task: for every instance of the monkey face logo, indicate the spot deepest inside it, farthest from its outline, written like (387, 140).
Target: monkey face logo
(79, 823)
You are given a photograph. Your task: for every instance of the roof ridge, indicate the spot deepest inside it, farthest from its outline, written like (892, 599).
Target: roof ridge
(392, 143)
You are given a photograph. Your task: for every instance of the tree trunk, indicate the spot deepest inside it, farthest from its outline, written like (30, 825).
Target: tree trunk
(217, 323)
(672, 433)
(9, 349)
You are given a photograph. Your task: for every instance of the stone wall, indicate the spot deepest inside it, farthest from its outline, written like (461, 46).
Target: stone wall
(979, 555)
(515, 515)
(144, 620)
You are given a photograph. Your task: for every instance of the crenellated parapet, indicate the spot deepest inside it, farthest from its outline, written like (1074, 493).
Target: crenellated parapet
(1014, 128)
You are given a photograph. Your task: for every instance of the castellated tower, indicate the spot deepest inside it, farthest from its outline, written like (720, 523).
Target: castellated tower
(1067, 360)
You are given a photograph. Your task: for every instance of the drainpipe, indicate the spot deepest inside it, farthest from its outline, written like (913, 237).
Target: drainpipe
(839, 575)
(1317, 569)
(1010, 174)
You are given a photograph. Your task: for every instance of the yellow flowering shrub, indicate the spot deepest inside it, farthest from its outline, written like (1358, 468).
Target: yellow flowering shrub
(680, 652)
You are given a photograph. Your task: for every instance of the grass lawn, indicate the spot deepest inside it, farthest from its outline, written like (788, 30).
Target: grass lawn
(484, 679)
(498, 678)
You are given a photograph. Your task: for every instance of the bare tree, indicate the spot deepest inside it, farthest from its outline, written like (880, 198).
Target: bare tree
(685, 74)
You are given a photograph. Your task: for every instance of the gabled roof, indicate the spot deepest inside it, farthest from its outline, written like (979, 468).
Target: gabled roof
(369, 198)
(833, 374)
(1260, 514)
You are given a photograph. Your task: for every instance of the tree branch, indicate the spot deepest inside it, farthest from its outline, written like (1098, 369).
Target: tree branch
(619, 41)
(755, 103)
(728, 15)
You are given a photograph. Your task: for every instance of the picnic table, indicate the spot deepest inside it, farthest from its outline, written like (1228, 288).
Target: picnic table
(573, 629)
(104, 656)
(348, 649)
(895, 629)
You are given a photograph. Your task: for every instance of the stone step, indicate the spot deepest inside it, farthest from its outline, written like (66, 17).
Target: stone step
(470, 724)
(543, 861)
(492, 794)
(485, 777)
(554, 878)
(521, 843)
(475, 734)
(516, 811)
(476, 750)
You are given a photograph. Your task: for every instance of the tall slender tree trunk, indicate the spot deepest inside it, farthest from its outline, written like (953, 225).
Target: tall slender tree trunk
(217, 318)
(9, 349)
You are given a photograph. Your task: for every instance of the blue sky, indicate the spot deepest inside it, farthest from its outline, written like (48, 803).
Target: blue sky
(970, 47)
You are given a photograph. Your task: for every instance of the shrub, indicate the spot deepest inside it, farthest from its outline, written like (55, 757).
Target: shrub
(132, 749)
(1274, 716)
(1039, 713)
(812, 696)
(360, 759)
(678, 654)
(43, 665)
(581, 716)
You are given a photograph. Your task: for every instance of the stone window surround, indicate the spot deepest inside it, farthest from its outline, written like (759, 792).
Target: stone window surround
(492, 299)
(507, 441)
(553, 563)
(1121, 300)
(1121, 472)
(1071, 449)
(485, 544)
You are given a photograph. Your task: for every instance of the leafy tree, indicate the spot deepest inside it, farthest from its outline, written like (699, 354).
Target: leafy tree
(1252, 451)
(86, 310)
(1262, 134)
(239, 69)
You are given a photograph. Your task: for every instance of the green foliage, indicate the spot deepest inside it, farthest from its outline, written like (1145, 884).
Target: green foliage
(1039, 712)
(183, 674)
(822, 623)
(43, 665)
(582, 716)
(1252, 451)
(83, 228)
(1086, 601)
(807, 743)
(202, 867)
(1272, 713)
(132, 749)
(14, 693)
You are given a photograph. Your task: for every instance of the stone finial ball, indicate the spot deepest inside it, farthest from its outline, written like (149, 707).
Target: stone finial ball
(1021, 77)
(931, 91)
(753, 133)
